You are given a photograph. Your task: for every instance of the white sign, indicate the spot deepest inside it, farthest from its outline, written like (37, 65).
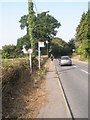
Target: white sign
(30, 51)
(73, 50)
(41, 44)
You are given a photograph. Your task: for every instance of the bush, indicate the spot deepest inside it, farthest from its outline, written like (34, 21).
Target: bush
(11, 51)
(84, 50)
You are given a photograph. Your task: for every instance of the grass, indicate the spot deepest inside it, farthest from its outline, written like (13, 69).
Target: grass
(10, 67)
(26, 82)
(79, 57)
(16, 61)
(85, 59)
(43, 72)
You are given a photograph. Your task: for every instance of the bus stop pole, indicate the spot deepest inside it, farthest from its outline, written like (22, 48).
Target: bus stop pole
(30, 62)
(39, 55)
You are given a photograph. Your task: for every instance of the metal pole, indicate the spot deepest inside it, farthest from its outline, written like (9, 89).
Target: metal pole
(39, 55)
(47, 48)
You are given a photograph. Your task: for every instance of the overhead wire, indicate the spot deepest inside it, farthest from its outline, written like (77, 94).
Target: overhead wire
(35, 7)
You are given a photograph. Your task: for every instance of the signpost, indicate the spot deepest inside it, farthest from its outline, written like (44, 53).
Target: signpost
(40, 44)
(30, 58)
(47, 47)
(73, 50)
(30, 51)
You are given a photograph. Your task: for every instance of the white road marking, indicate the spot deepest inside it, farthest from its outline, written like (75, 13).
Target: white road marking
(75, 66)
(64, 98)
(79, 68)
(84, 71)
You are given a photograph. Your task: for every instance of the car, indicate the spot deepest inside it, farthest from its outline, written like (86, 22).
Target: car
(65, 60)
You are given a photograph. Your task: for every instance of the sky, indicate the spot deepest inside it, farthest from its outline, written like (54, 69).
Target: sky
(67, 13)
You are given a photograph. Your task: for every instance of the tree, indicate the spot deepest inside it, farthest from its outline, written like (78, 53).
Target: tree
(43, 26)
(24, 22)
(88, 34)
(82, 29)
(23, 41)
(82, 39)
(39, 28)
(71, 45)
(59, 47)
(46, 27)
(10, 51)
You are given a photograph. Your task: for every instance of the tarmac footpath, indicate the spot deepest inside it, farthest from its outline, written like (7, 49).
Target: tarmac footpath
(56, 106)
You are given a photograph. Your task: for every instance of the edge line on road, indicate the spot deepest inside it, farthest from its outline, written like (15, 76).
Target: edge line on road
(64, 98)
(64, 95)
(84, 71)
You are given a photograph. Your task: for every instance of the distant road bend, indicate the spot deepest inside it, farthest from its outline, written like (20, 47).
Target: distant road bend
(75, 83)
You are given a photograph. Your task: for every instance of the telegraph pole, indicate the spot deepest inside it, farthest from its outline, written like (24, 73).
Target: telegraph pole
(89, 6)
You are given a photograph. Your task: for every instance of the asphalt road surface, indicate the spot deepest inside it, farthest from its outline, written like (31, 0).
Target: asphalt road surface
(75, 82)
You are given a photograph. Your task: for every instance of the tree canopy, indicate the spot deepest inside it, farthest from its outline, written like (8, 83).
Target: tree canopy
(71, 45)
(59, 47)
(82, 29)
(82, 39)
(39, 28)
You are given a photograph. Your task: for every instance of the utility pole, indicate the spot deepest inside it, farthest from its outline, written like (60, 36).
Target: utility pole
(31, 25)
(89, 6)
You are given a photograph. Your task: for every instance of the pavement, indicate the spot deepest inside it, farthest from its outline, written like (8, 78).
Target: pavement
(56, 106)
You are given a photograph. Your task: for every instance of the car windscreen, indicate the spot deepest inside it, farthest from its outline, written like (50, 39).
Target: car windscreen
(65, 58)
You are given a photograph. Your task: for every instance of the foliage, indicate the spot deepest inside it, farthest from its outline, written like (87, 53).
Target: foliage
(84, 49)
(23, 41)
(31, 25)
(82, 29)
(82, 40)
(39, 28)
(71, 45)
(14, 82)
(88, 33)
(46, 26)
(10, 51)
(59, 47)
(24, 22)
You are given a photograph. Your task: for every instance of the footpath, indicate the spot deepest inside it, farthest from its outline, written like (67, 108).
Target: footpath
(56, 106)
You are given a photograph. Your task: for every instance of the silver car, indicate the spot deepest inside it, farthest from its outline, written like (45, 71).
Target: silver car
(65, 60)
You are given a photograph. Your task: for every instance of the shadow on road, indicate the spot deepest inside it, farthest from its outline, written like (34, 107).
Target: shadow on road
(67, 68)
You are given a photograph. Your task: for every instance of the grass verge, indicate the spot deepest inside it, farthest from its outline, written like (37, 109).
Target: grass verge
(80, 58)
(23, 95)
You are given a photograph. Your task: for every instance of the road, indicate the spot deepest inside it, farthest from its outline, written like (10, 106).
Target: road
(75, 83)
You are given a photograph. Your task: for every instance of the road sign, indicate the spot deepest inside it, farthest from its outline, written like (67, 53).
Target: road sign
(73, 50)
(41, 44)
(30, 51)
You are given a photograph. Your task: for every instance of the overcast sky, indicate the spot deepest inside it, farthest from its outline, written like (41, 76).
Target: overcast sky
(67, 13)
